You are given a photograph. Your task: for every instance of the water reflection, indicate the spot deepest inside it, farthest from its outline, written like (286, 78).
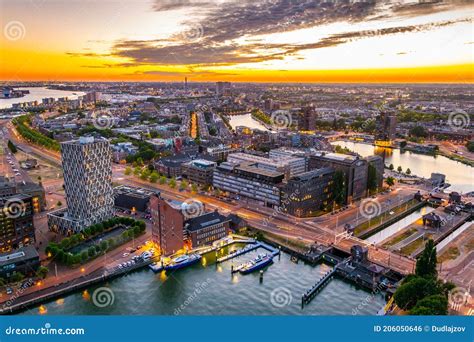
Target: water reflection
(460, 176)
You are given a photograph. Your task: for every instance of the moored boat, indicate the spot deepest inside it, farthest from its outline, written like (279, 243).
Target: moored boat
(258, 263)
(183, 261)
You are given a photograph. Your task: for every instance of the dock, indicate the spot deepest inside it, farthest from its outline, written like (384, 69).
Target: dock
(156, 267)
(312, 292)
(250, 247)
(239, 252)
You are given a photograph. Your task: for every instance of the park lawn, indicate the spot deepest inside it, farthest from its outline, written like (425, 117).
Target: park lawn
(415, 245)
(406, 234)
(376, 221)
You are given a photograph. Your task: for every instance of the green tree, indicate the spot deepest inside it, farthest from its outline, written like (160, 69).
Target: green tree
(172, 183)
(65, 243)
(470, 146)
(137, 170)
(184, 184)
(391, 167)
(408, 294)
(408, 171)
(59, 203)
(12, 147)
(419, 132)
(84, 256)
(91, 251)
(104, 245)
(16, 277)
(194, 188)
(431, 305)
(42, 272)
(154, 177)
(399, 169)
(162, 180)
(390, 181)
(145, 173)
(426, 263)
(128, 171)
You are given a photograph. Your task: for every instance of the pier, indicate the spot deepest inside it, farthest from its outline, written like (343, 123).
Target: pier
(252, 246)
(312, 292)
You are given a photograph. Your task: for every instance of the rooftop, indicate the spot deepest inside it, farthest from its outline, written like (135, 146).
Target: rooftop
(27, 252)
(203, 221)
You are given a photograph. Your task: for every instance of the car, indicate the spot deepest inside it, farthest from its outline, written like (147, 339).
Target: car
(9, 291)
(120, 266)
(125, 254)
(50, 193)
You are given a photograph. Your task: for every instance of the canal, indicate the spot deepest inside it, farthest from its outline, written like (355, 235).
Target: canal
(207, 289)
(399, 225)
(460, 176)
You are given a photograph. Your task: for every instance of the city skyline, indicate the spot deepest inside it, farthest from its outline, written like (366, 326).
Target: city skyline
(265, 41)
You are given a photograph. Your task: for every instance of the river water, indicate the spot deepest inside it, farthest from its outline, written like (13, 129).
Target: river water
(460, 176)
(39, 93)
(212, 290)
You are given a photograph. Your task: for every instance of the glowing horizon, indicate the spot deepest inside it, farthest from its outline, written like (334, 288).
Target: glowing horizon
(245, 41)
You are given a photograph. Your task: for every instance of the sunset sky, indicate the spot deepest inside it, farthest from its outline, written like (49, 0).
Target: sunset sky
(244, 40)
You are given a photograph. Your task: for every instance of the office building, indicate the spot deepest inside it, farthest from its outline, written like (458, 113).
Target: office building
(7, 186)
(172, 166)
(24, 260)
(221, 152)
(309, 193)
(354, 168)
(304, 118)
(132, 198)
(377, 165)
(207, 228)
(87, 165)
(385, 129)
(199, 171)
(168, 224)
(288, 165)
(16, 222)
(248, 181)
(223, 88)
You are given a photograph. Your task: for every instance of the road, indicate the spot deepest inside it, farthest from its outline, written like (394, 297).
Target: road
(272, 221)
(322, 229)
